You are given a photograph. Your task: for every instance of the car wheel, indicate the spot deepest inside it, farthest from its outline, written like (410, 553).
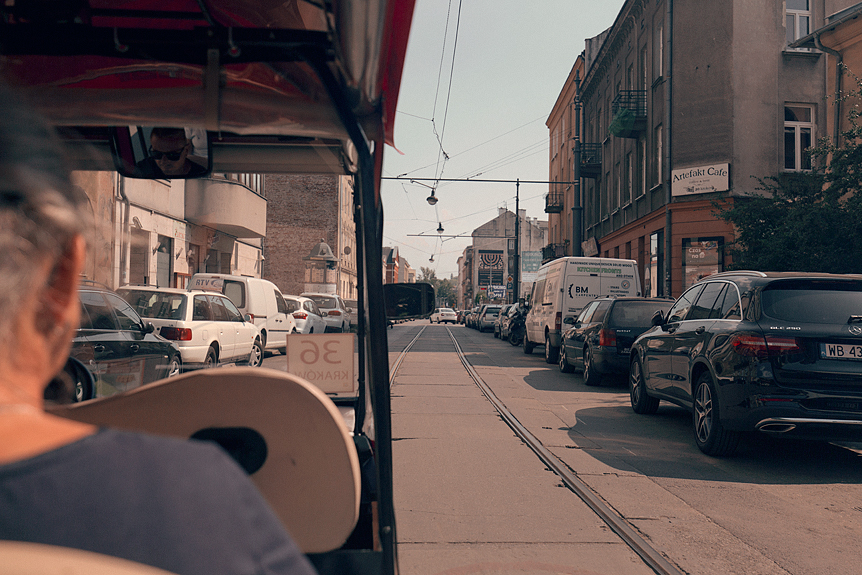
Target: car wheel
(709, 433)
(83, 384)
(211, 359)
(591, 376)
(175, 366)
(565, 366)
(255, 358)
(552, 354)
(528, 345)
(641, 402)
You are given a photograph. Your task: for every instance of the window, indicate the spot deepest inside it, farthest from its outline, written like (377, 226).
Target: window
(618, 187)
(701, 257)
(642, 162)
(629, 179)
(643, 69)
(798, 18)
(680, 309)
(657, 160)
(798, 136)
(658, 51)
(654, 287)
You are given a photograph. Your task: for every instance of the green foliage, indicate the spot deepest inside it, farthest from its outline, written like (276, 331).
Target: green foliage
(805, 221)
(444, 289)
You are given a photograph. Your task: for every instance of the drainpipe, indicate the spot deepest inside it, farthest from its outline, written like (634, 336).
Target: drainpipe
(838, 74)
(668, 114)
(125, 232)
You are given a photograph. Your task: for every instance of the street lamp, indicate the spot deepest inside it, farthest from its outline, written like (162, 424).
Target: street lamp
(440, 228)
(432, 199)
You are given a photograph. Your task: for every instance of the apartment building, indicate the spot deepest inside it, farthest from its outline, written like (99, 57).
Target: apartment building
(681, 107)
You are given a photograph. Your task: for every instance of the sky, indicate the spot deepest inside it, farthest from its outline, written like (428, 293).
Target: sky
(479, 115)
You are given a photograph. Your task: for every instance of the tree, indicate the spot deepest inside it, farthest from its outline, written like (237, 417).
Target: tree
(805, 221)
(444, 289)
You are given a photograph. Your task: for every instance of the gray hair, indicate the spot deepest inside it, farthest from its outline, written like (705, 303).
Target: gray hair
(40, 210)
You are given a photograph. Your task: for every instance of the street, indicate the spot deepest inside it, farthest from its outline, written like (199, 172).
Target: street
(472, 498)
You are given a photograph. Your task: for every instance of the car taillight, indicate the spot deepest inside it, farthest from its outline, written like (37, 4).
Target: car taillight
(751, 345)
(300, 315)
(608, 338)
(176, 333)
(333, 312)
(558, 321)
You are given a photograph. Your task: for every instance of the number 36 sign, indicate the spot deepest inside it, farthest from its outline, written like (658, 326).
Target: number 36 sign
(325, 360)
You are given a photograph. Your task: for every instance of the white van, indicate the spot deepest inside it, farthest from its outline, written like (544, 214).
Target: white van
(259, 298)
(564, 286)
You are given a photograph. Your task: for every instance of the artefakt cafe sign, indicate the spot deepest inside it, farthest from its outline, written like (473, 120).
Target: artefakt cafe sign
(700, 180)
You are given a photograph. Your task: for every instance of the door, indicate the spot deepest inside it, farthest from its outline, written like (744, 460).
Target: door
(658, 353)
(244, 332)
(692, 335)
(226, 329)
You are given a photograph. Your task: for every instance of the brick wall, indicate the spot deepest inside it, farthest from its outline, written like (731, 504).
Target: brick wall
(300, 211)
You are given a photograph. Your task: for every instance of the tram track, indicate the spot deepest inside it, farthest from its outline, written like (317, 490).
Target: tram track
(617, 524)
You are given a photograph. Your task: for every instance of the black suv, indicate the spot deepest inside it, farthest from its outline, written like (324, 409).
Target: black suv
(601, 337)
(780, 353)
(114, 350)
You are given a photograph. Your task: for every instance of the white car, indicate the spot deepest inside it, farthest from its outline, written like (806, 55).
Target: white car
(444, 314)
(335, 312)
(206, 326)
(309, 318)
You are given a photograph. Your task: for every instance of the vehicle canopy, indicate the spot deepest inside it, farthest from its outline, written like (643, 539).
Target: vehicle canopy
(265, 86)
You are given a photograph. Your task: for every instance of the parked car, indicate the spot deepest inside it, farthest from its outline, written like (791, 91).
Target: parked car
(498, 321)
(308, 317)
(780, 353)
(260, 299)
(599, 340)
(473, 316)
(443, 314)
(119, 350)
(336, 313)
(206, 326)
(486, 317)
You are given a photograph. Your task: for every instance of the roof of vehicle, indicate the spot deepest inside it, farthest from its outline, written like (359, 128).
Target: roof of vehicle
(248, 70)
(749, 278)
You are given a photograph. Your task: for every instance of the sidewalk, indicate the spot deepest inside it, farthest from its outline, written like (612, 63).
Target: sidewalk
(470, 497)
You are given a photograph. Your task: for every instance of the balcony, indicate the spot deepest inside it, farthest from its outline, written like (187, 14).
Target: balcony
(591, 160)
(630, 114)
(552, 252)
(226, 206)
(554, 202)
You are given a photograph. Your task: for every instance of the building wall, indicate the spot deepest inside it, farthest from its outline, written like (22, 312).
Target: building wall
(726, 72)
(301, 211)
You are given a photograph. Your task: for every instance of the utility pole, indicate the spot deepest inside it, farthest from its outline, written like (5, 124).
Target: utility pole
(517, 259)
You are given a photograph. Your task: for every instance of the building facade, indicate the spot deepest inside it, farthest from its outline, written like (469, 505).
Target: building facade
(486, 269)
(302, 211)
(683, 106)
(161, 232)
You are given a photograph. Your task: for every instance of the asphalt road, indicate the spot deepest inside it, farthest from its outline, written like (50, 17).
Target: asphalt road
(776, 507)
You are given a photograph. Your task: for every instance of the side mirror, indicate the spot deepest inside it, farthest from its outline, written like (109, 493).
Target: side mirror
(408, 300)
(657, 318)
(569, 320)
(148, 328)
(248, 319)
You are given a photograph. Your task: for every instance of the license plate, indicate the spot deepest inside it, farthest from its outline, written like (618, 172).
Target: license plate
(840, 351)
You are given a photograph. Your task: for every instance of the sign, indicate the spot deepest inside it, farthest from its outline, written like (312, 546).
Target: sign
(700, 180)
(496, 291)
(530, 264)
(323, 359)
(590, 247)
(211, 284)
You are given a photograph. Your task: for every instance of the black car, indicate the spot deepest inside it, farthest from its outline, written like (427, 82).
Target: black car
(116, 347)
(780, 353)
(601, 337)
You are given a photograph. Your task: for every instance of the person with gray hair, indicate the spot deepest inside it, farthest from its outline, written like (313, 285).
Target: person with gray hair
(182, 506)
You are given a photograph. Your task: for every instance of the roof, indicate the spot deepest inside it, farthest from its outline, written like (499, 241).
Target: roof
(258, 72)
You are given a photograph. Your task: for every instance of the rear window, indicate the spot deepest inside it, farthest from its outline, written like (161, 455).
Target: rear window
(812, 301)
(325, 302)
(635, 313)
(235, 291)
(292, 305)
(155, 305)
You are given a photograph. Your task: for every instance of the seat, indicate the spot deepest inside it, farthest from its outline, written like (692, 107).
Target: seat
(17, 558)
(310, 470)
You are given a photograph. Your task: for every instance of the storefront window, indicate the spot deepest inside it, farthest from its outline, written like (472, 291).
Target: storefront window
(701, 257)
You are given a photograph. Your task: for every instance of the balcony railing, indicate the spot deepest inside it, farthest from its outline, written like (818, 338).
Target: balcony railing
(591, 160)
(552, 252)
(554, 202)
(630, 114)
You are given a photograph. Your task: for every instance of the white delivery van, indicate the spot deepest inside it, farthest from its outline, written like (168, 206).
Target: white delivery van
(260, 299)
(564, 286)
